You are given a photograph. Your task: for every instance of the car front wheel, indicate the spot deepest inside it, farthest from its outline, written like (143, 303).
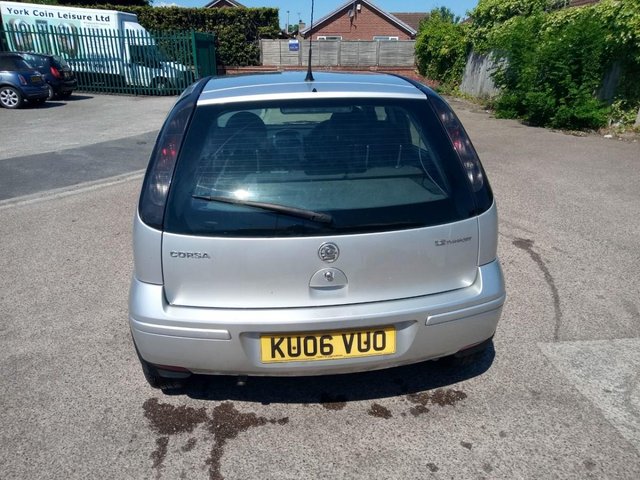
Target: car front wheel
(10, 97)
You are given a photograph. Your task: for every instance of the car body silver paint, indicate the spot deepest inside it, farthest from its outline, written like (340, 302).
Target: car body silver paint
(226, 341)
(260, 97)
(147, 252)
(337, 82)
(290, 85)
(275, 272)
(488, 232)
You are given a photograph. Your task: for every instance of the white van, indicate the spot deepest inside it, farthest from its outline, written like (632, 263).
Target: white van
(110, 43)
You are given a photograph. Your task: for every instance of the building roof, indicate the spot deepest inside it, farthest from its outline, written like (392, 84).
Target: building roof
(412, 19)
(396, 21)
(223, 3)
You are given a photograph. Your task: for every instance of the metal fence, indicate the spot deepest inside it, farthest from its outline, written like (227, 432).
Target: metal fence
(121, 61)
(339, 53)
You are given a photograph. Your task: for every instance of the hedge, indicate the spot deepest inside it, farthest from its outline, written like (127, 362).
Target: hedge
(552, 60)
(556, 62)
(441, 48)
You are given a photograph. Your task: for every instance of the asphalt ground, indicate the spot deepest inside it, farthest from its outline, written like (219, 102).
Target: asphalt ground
(87, 138)
(559, 397)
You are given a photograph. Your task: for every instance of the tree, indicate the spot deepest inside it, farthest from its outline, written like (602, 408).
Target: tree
(441, 47)
(447, 14)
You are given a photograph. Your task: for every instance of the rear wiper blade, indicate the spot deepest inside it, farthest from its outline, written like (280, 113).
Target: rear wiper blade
(272, 207)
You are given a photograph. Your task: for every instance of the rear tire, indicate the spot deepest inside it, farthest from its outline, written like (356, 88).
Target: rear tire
(10, 97)
(471, 356)
(156, 380)
(162, 86)
(52, 93)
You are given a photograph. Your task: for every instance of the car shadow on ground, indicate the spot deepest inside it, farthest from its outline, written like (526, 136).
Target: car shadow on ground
(75, 97)
(60, 102)
(338, 389)
(47, 104)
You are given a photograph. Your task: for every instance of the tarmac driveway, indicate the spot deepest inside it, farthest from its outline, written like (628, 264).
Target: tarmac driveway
(87, 138)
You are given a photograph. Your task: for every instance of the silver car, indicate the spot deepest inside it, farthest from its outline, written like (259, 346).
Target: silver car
(292, 227)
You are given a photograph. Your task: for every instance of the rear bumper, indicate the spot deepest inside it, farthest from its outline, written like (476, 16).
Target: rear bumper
(227, 341)
(64, 86)
(35, 92)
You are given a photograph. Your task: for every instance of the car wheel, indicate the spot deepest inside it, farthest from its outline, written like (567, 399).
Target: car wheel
(471, 356)
(156, 380)
(162, 86)
(10, 97)
(52, 93)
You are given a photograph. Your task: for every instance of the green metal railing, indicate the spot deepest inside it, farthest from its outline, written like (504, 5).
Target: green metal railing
(121, 61)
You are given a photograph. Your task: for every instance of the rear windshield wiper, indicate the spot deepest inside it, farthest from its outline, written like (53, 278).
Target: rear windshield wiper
(272, 207)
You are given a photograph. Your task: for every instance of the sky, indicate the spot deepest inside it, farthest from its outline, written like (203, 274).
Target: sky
(301, 9)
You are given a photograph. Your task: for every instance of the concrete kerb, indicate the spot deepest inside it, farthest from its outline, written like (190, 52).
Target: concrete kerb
(70, 190)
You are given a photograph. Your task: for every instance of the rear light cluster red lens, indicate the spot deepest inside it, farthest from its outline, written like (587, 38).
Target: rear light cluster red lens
(165, 164)
(55, 72)
(23, 81)
(461, 143)
(163, 161)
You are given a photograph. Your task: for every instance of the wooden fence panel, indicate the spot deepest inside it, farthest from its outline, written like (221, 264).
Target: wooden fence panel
(339, 53)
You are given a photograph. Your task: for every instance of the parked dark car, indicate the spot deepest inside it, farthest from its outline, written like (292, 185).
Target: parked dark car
(20, 82)
(57, 73)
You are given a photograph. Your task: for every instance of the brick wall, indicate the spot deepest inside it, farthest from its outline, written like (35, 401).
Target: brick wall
(364, 26)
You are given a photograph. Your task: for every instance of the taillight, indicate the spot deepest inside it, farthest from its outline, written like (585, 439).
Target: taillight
(163, 161)
(23, 81)
(55, 72)
(461, 143)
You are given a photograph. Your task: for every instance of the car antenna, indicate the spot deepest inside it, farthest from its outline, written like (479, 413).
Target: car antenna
(309, 77)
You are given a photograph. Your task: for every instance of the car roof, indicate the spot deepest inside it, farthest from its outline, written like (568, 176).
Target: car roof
(35, 54)
(292, 85)
(20, 54)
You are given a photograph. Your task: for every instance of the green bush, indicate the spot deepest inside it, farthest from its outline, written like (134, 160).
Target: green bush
(441, 48)
(490, 14)
(554, 63)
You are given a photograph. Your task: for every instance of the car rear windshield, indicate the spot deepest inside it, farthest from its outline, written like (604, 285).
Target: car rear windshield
(300, 168)
(36, 61)
(13, 64)
(45, 61)
(59, 62)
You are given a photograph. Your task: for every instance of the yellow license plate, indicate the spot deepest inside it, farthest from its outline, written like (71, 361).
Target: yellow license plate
(304, 347)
